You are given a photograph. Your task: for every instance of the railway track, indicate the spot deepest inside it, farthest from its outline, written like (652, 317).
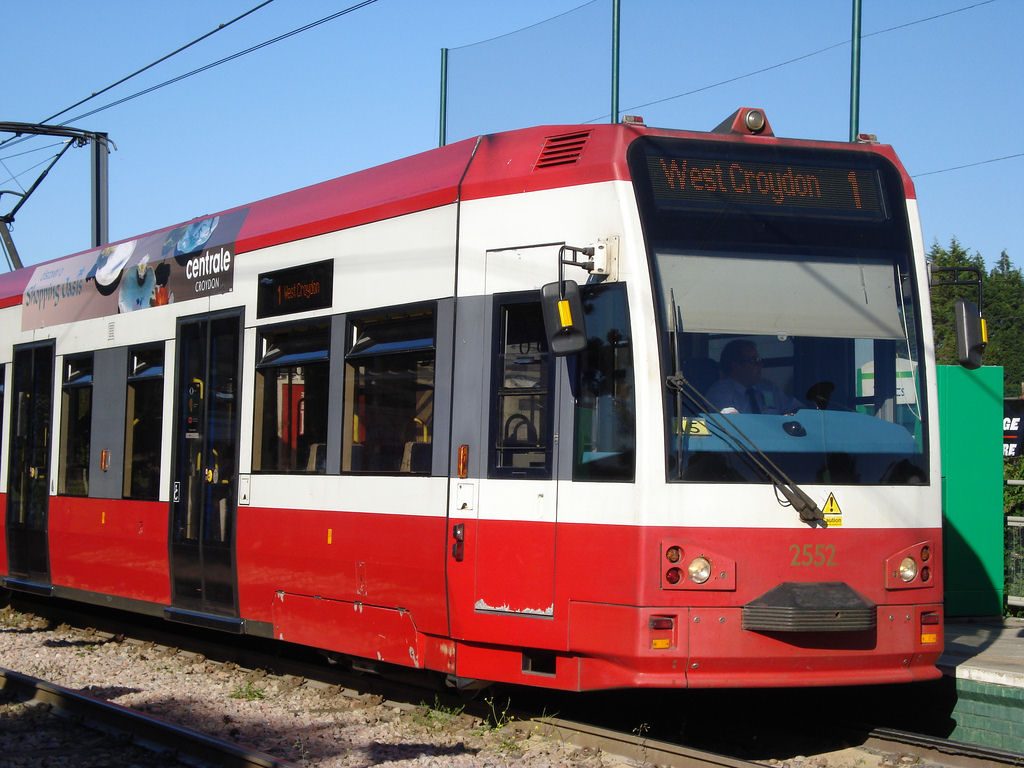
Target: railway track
(115, 729)
(123, 727)
(182, 746)
(648, 747)
(932, 749)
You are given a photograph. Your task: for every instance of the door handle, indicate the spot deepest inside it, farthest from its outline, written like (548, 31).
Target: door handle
(459, 545)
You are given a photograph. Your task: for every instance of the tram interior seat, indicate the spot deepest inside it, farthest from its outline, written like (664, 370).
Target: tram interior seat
(416, 458)
(317, 461)
(701, 372)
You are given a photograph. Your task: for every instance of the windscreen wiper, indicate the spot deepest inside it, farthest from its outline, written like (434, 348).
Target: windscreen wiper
(796, 497)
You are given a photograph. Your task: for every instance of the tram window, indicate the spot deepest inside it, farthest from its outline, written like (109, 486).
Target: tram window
(3, 374)
(389, 393)
(605, 414)
(520, 410)
(143, 423)
(75, 426)
(292, 376)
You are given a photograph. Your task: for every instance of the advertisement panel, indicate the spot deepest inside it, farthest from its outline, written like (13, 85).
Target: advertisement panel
(1013, 417)
(187, 262)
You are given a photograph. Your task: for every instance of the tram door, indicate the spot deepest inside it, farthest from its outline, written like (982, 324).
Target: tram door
(516, 507)
(204, 478)
(29, 470)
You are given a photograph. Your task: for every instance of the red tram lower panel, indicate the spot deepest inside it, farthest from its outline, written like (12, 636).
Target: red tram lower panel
(709, 648)
(116, 548)
(3, 534)
(368, 631)
(388, 561)
(388, 588)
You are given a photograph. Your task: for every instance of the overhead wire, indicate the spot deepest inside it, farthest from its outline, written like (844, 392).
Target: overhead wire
(11, 175)
(149, 66)
(18, 139)
(226, 59)
(14, 176)
(30, 151)
(801, 57)
(159, 61)
(967, 165)
(523, 29)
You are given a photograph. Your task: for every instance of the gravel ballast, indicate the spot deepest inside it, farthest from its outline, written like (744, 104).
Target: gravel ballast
(306, 723)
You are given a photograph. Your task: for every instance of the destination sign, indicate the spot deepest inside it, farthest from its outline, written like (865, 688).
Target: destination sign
(779, 187)
(297, 289)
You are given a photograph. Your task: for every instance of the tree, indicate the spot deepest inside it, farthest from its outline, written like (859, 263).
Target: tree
(1004, 314)
(1002, 308)
(943, 297)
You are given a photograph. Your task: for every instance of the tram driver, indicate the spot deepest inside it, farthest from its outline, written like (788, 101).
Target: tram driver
(742, 389)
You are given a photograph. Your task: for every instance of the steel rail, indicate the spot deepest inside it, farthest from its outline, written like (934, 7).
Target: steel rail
(632, 746)
(144, 730)
(937, 745)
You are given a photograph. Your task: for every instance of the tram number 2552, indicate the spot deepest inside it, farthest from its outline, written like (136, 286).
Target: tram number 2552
(813, 555)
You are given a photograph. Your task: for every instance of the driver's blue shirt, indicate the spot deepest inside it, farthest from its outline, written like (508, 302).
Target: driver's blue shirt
(729, 393)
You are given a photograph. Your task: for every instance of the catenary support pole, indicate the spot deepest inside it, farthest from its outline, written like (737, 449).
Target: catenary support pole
(100, 190)
(443, 129)
(855, 73)
(615, 60)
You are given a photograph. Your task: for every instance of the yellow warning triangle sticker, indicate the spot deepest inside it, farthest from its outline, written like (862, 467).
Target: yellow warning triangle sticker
(831, 506)
(832, 513)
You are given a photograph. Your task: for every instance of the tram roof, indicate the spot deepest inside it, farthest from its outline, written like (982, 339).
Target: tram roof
(511, 162)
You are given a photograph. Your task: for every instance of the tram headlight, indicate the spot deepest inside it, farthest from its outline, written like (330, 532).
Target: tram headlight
(700, 570)
(908, 569)
(754, 121)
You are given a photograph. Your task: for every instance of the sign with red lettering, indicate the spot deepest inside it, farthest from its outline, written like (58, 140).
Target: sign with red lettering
(296, 289)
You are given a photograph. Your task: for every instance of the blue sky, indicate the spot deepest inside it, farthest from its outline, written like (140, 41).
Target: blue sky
(363, 89)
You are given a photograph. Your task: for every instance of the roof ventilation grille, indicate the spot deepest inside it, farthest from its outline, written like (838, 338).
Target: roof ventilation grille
(562, 150)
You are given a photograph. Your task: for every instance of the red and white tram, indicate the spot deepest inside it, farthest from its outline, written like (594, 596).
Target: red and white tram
(337, 417)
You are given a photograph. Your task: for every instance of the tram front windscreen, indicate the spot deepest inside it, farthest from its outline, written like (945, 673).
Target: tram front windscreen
(788, 312)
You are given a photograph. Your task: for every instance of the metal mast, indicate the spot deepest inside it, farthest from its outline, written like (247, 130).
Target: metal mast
(100, 182)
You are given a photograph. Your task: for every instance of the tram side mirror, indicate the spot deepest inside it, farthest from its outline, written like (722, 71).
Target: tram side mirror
(563, 318)
(971, 334)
